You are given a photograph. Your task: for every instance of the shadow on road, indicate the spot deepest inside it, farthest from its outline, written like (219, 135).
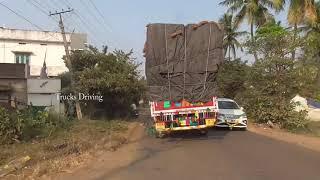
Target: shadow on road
(196, 135)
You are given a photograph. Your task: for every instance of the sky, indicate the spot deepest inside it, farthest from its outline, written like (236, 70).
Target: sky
(119, 24)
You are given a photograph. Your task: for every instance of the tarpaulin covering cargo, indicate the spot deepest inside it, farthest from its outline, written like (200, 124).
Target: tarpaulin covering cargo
(182, 60)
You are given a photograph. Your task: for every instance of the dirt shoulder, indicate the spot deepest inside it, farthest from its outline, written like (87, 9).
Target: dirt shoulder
(106, 162)
(67, 151)
(307, 141)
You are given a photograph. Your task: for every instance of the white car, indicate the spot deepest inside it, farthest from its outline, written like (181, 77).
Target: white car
(230, 114)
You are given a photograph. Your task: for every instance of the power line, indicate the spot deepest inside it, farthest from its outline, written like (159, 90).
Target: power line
(101, 15)
(47, 4)
(42, 9)
(92, 13)
(85, 24)
(36, 5)
(66, 2)
(106, 26)
(21, 16)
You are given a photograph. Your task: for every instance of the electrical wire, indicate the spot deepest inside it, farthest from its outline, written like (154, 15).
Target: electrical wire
(43, 10)
(101, 15)
(85, 24)
(21, 16)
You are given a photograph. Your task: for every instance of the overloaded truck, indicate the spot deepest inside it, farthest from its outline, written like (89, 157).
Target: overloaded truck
(181, 67)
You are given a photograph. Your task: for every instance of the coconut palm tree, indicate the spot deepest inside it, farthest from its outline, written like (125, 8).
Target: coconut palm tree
(231, 35)
(315, 26)
(300, 11)
(256, 12)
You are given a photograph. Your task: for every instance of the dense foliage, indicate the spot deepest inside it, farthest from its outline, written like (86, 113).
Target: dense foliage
(286, 60)
(111, 75)
(24, 125)
(266, 87)
(231, 78)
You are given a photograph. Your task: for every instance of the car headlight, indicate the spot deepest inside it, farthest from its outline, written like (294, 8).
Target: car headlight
(243, 115)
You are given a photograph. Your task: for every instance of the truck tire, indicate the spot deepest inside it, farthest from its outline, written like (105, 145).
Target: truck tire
(160, 135)
(203, 131)
(243, 129)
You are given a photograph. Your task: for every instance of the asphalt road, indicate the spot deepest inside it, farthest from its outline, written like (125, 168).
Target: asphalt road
(222, 155)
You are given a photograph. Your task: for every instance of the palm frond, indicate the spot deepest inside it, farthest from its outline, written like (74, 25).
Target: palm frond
(240, 16)
(279, 4)
(228, 2)
(240, 33)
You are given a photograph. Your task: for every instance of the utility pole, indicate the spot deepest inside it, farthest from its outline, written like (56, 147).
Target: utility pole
(68, 60)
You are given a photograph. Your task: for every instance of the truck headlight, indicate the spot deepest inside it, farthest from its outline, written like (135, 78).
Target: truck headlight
(221, 116)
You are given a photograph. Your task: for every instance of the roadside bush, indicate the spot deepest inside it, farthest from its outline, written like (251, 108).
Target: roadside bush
(262, 109)
(29, 123)
(10, 126)
(275, 78)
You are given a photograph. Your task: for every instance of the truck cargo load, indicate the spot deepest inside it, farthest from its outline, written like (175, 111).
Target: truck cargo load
(182, 60)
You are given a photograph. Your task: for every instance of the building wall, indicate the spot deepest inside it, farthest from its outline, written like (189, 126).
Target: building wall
(44, 92)
(40, 44)
(48, 100)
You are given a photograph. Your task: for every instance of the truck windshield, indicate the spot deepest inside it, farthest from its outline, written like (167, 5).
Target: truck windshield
(227, 105)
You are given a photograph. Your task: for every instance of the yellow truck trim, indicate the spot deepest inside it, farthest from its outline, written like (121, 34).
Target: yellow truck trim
(209, 123)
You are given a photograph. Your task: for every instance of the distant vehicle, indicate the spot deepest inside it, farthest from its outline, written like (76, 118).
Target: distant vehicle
(230, 114)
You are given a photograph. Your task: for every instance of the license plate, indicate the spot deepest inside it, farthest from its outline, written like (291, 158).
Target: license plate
(210, 122)
(231, 121)
(160, 126)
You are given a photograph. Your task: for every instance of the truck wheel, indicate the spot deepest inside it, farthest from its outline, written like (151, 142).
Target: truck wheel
(160, 135)
(203, 131)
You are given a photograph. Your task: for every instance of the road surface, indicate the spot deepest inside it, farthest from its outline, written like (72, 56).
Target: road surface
(222, 155)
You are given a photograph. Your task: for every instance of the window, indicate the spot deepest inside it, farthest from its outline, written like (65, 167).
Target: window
(227, 105)
(22, 58)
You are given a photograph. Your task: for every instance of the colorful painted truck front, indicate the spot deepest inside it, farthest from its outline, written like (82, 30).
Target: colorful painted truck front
(171, 116)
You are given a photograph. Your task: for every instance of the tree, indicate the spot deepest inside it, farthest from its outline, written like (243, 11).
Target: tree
(300, 11)
(275, 79)
(112, 75)
(255, 11)
(315, 26)
(231, 78)
(231, 35)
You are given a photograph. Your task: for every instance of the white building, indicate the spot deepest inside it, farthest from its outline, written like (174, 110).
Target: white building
(32, 47)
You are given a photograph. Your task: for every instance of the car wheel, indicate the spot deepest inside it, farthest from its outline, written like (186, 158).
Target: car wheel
(243, 129)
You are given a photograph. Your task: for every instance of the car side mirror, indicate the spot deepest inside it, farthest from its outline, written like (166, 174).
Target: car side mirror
(241, 108)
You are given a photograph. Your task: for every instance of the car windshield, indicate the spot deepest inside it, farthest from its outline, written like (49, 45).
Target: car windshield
(227, 105)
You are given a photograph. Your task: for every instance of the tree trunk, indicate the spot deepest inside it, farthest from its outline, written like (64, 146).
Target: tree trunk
(229, 53)
(295, 33)
(253, 42)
